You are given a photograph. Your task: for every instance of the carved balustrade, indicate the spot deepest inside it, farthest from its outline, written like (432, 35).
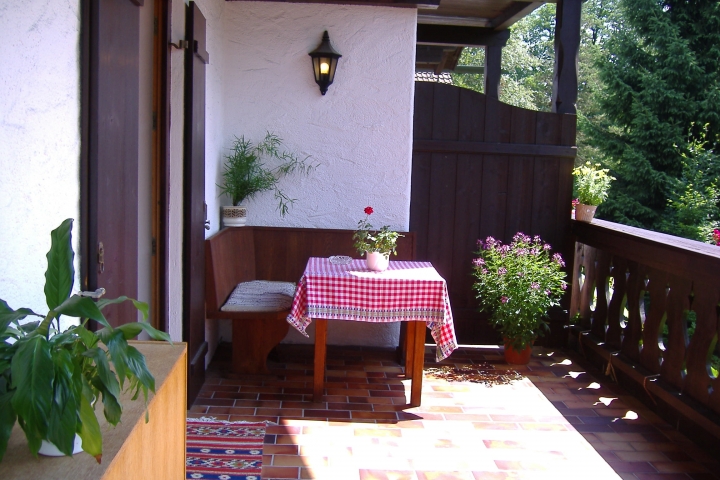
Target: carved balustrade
(647, 305)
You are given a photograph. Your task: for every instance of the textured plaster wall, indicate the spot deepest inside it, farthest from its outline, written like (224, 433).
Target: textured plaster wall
(360, 132)
(39, 139)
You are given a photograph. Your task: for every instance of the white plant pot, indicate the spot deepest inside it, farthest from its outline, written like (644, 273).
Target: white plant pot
(50, 450)
(234, 216)
(377, 261)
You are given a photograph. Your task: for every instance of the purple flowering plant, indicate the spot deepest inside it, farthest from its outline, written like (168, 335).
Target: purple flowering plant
(517, 284)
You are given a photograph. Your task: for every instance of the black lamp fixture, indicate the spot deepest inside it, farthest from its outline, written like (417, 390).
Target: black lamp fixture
(324, 60)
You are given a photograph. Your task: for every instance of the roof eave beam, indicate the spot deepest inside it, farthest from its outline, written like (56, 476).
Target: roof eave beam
(512, 14)
(450, 36)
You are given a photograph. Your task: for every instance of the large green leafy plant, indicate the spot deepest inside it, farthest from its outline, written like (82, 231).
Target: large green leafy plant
(50, 380)
(517, 284)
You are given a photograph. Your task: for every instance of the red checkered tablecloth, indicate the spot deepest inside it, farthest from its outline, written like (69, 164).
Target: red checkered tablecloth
(406, 291)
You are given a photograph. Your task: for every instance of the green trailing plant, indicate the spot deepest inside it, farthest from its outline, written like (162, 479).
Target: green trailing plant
(592, 183)
(50, 380)
(245, 173)
(369, 240)
(517, 284)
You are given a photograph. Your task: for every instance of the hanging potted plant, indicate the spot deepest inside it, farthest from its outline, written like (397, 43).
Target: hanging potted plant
(517, 284)
(245, 175)
(591, 184)
(375, 244)
(50, 380)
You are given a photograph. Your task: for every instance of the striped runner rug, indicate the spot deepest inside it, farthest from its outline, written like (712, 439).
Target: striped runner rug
(220, 450)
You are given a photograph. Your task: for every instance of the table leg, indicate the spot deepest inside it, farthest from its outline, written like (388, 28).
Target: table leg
(320, 354)
(409, 348)
(416, 367)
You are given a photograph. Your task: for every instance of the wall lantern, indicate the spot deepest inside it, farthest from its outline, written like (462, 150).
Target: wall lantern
(324, 60)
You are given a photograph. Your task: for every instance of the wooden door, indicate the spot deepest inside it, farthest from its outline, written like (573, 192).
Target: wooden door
(484, 168)
(109, 179)
(194, 201)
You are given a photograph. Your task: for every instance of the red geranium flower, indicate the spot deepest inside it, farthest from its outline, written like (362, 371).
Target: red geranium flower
(368, 210)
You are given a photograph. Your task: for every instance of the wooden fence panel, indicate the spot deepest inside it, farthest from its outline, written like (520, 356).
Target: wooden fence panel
(484, 168)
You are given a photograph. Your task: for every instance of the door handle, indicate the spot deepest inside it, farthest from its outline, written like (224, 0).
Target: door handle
(207, 222)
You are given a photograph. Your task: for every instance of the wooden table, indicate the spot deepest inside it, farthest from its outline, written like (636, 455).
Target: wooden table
(411, 292)
(132, 449)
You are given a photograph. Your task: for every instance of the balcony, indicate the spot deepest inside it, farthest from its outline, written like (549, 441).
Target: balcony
(634, 395)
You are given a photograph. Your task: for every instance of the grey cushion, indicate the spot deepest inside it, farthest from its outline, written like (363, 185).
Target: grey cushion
(260, 296)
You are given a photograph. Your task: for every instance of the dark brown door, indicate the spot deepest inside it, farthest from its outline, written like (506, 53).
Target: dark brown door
(109, 183)
(194, 201)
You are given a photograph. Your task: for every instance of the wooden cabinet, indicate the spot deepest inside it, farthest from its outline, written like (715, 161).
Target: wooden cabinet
(133, 449)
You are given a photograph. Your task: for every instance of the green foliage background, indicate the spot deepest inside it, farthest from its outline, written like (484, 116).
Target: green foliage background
(648, 104)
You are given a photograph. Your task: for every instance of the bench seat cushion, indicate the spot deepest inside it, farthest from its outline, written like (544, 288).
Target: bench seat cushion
(260, 296)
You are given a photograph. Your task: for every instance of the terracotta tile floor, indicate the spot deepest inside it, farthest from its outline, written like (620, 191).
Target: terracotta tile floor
(557, 422)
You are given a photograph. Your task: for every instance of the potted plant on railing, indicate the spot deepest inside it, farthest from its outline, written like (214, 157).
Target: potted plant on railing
(50, 380)
(517, 284)
(245, 175)
(375, 244)
(592, 184)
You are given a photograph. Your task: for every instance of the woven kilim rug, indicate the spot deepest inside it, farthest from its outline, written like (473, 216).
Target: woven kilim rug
(221, 450)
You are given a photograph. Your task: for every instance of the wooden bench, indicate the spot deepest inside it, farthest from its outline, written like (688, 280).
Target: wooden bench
(243, 254)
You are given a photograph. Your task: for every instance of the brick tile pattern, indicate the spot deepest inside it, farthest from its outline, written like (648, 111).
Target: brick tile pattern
(558, 422)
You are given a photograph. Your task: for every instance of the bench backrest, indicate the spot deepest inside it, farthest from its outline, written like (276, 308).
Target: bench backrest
(241, 254)
(282, 253)
(229, 260)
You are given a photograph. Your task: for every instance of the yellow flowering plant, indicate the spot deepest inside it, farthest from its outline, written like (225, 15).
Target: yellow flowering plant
(592, 183)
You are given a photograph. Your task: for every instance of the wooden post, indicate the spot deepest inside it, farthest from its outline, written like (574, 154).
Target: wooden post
(567, 45)
(493, 64)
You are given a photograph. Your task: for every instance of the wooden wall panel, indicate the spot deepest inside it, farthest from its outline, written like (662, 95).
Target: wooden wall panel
(420, 201)
(466, 227)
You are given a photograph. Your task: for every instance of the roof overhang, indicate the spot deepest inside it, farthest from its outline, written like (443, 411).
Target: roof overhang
(445, 27)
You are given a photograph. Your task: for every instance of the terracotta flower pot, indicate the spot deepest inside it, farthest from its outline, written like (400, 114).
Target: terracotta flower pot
(514, 357)
(585, 213)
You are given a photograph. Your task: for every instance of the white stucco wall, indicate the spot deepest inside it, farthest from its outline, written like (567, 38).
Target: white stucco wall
(360, 132)
(39, 139)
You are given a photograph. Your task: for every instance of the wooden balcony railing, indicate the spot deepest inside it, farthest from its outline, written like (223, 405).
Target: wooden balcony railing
(646, 306)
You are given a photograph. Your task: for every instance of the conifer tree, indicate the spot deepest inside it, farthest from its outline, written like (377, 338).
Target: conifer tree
(660, 98)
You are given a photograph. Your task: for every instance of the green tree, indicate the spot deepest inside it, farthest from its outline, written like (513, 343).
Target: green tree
(599, 18)
(694, 205)
(529, 56)
(660, 80)
(527, 62)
